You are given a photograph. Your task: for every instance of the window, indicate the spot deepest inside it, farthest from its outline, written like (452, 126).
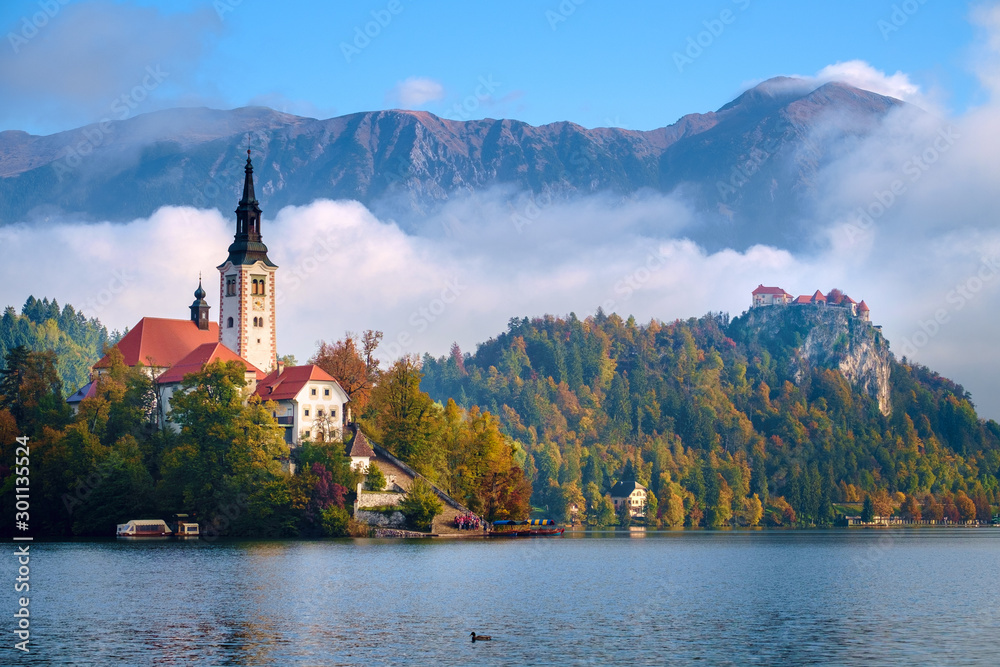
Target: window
(312, 391)
(229, 323)
(230, 285)
(306, 434)
(333, 413)
(319, 412)
(306, 412)
(257, 285)
(326, 392)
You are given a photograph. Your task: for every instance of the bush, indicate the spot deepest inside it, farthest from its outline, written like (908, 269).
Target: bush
(334, 521)
(421, 505)
(375, 479)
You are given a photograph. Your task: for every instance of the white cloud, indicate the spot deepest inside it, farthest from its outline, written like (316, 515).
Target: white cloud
(416, 91)
(860, 74)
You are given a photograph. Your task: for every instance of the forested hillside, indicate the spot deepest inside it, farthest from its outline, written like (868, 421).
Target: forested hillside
(77, 341)
(722, 420)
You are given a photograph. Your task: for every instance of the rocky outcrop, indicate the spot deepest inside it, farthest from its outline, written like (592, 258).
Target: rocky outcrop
(829, 337)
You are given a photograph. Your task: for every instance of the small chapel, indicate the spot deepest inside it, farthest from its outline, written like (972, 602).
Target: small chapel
(311, 404)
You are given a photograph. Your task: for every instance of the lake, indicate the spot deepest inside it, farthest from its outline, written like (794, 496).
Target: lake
(838, 597)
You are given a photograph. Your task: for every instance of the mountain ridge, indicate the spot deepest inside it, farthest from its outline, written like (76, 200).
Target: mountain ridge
(746, 168)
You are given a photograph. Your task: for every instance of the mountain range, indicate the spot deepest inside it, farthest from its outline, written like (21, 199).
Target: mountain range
(749, 169)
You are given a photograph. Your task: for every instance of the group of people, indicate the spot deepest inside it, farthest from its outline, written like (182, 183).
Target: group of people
(468, 522)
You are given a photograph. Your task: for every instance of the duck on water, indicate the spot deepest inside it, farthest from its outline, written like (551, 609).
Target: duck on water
(481, 638)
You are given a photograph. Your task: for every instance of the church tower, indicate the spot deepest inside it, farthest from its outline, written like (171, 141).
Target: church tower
(199, 309)
(246, 316)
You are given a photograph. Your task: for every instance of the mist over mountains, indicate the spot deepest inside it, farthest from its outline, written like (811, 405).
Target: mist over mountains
(436, 231)
(748, 172)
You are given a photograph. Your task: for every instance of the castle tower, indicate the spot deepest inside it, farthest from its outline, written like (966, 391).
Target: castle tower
(246, 314)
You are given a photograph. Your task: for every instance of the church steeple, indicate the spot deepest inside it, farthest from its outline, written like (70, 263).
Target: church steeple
(247, 287)
(247, 246)
(199, 309)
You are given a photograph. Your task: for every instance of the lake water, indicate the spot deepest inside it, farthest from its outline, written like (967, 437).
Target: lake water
(837, 597)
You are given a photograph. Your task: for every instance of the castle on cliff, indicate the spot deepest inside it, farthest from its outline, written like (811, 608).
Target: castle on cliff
(775, 296)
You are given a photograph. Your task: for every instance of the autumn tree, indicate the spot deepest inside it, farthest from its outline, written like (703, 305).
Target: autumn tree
(354, 367)
(404, 419)
(751, 510)
(966, 507)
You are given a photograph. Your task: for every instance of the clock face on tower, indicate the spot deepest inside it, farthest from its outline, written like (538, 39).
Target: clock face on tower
(258, 303)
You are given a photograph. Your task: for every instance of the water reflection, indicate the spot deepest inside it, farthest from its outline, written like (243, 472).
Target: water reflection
(645, 597)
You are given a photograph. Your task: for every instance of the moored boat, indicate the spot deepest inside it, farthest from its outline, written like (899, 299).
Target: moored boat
(144, 528)
(182, 527)
(529, 528)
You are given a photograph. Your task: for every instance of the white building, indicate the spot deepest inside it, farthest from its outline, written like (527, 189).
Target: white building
(311, 403)
(631, 493)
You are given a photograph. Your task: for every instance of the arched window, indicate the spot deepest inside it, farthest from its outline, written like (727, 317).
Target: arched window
(229, 323)
(254, 288)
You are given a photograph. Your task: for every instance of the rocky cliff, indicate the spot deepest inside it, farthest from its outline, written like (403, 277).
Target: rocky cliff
(825, 337)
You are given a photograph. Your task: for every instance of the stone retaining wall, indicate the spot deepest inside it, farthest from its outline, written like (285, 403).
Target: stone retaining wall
(381, 519)
(379, 499)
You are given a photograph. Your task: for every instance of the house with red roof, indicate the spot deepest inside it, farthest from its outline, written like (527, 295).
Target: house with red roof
(169, 382)
(770, 296)
(311, 404)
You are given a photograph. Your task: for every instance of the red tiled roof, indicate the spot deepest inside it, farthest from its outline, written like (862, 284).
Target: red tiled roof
(818, 297)
(863, 307)
(847, 299)
(201, 355)
(360, 447)
(288, 384)
(768, 290)
(156, 341)
(805, 298)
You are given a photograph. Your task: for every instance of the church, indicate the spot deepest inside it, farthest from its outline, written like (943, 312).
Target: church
(311, 405)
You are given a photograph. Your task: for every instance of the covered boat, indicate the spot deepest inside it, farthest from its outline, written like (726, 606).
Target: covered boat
(144, 528)
(527, 528)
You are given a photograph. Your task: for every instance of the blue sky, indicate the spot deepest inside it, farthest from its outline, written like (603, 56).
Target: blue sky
(595, 63)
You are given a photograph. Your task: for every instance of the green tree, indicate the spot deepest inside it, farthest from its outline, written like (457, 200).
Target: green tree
(404, 419)
(374, 479)
(625, 514)
(227, 448)
(652, 510)
(421, 505)
(868, 509)
(673, 513)
(605, 514)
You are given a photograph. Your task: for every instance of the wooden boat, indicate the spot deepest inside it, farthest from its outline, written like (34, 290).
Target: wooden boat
(144, 528)
(532, 528)
(183, 527)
